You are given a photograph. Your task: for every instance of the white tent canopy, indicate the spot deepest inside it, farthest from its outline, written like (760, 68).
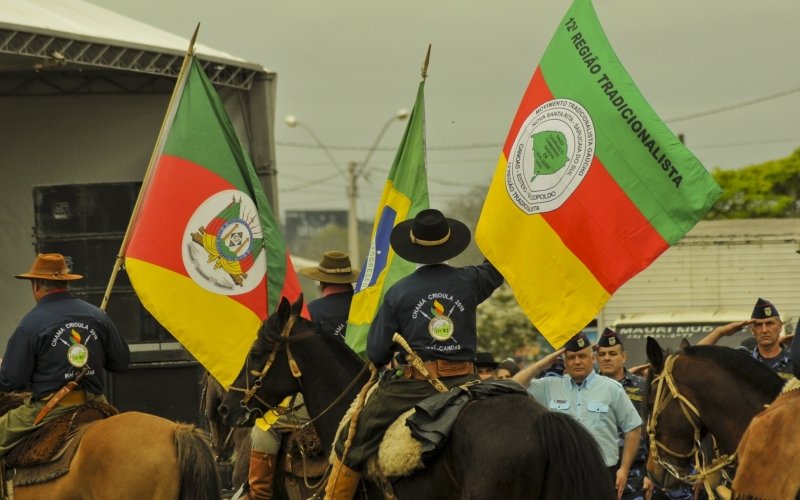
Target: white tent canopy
(83, 92)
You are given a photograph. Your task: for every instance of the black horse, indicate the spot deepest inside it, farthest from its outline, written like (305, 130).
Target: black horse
(503, 447)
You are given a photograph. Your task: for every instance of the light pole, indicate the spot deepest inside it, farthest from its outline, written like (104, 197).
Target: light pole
(354, 171)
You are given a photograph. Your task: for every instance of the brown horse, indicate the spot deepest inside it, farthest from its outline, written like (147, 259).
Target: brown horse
(769, 445)
(506, 446)
(697, 391)
(134, 456)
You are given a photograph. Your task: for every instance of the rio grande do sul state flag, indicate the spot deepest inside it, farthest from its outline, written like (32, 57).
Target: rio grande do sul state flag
(206, 256)
(591, 186)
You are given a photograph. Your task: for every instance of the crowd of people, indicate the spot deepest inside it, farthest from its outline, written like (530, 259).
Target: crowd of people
(65, 339)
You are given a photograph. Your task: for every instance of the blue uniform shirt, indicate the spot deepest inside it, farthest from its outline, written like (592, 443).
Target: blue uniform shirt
(331, 312)
(780, 364)
(599, 403)
(36, 355)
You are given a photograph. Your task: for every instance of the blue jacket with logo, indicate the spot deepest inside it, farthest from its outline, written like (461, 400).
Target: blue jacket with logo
(36, 354)
(434, 310)
(331, 312)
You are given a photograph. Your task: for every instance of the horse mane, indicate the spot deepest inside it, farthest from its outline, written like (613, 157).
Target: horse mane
(742, 364)
(337, 344)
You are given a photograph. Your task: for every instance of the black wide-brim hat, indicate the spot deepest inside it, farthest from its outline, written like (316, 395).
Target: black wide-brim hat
(429, 238)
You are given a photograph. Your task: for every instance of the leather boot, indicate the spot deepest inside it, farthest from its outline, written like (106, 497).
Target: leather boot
(342, 482)
(261, 475)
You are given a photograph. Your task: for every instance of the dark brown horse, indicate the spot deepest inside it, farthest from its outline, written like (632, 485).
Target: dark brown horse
(503, 447)
(134, 456)
(698, 391)
(232, 445)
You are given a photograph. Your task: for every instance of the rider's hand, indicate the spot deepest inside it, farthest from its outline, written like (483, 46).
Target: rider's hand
(647, 486)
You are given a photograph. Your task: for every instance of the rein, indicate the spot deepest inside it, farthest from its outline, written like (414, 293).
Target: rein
(663, 397)
(281, 341)
(284, 340)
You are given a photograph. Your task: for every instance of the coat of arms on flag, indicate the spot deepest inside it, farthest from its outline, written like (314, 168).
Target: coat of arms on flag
(226, 251)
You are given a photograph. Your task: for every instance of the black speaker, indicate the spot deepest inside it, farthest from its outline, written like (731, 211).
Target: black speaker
(86, 224)
(74, 209)
(169, 389)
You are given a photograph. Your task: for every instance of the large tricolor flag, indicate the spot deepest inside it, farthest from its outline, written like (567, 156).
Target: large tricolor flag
(206, 256)
(591, 186)
(404, 195)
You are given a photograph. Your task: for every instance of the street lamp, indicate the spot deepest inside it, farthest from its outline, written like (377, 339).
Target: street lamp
(352, 174)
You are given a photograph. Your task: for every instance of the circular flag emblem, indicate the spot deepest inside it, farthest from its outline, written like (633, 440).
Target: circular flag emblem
(78, 355)
(441, 328)
(550, 156)
(223, 246)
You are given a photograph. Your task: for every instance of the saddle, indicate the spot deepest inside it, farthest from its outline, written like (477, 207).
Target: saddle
(304, 461)
(46, 453)
(419, 434)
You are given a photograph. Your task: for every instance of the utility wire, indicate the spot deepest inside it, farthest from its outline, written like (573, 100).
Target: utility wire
(731, 107)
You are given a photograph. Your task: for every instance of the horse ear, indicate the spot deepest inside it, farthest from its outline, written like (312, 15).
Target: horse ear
(297, 306)
(283, 309)
(684, 344)
(655, 354)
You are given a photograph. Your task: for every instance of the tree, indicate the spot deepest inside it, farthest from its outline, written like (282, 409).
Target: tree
(505, 331)
(766, 190)
(467, 209)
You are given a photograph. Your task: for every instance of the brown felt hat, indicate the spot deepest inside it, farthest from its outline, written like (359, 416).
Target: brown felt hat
(49, 266)
(334, 267)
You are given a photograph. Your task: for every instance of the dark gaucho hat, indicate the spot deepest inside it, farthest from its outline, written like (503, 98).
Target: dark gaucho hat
(485, 360)
(429, 238)
(609, 338)
(764, 309)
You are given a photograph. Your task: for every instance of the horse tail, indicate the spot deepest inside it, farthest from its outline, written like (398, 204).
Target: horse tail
(198, 469)
(574, 462)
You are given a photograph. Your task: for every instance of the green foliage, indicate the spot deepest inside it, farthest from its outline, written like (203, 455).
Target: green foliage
(766, 190)
(467, 209)
(505, 331)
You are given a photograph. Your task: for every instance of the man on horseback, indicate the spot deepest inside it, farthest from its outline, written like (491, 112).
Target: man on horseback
(61, 339)
(335, 275)
(766, 326)
(434, 310)
(597, 402)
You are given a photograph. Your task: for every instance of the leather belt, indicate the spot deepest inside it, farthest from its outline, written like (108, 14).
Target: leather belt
(72, 398)
(440, 368)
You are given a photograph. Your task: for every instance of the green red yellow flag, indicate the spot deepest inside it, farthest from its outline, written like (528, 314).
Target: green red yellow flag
(206, 256)
(590, 187)
(404, 195)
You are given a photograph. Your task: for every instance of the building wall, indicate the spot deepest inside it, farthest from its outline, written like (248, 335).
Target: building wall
(718, 265)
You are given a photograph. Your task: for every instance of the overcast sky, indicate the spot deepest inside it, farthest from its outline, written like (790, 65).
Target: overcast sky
(346, 66)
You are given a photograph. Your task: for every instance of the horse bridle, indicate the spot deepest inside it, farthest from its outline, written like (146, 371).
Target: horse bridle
(663, 397)
(283, 341)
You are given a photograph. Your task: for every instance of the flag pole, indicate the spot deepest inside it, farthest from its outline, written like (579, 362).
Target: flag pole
(425, 64)
(159, 147)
